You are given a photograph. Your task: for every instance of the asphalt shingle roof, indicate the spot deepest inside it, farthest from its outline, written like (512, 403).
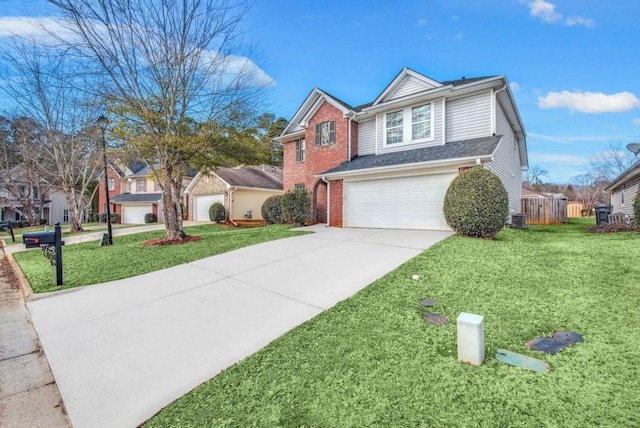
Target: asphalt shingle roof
(452, 150)
(137, 197)
(260, 177)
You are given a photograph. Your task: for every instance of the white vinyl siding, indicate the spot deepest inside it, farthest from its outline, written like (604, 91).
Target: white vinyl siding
(630, 189)
(250, 200)
(506, 161)
(367, 137)
(202, 204)
(409, 86)
(469, 117)
(399, 203)
(436, 130)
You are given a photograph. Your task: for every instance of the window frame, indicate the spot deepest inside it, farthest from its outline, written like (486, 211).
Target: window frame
(140, 181)
(301, 150)
(407, 125)
(328, 129)
(299, 186)
(111, 184)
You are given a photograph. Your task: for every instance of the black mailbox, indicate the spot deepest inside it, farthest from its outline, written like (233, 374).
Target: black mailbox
(39, 239)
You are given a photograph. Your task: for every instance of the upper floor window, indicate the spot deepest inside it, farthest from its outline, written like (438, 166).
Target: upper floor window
(409, 125)
(299, 186)
(140, 185)
(300, 150)
(129, 186)
(35, 192)
(326, 133)
(112, 184)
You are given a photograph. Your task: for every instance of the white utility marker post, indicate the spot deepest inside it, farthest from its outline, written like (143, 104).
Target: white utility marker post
(471, 338)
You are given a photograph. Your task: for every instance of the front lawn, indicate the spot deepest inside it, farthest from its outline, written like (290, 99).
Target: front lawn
(372, 360)
(88, 263)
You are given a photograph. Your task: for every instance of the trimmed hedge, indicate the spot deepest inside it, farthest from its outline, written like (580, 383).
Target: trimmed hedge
(150, 218)
(476, 204)
(272, 210)
(636, 208)
(115, 218)
(217, 212)
(296, 206)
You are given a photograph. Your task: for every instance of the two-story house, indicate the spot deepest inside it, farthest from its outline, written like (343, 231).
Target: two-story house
(132, 192)
(388, 163)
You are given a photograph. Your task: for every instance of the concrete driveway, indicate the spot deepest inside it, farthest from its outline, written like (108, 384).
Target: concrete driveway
(121, 351)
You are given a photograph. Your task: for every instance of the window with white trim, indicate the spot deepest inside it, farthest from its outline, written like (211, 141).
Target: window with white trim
(140, 185)
(65, 216)
(409, 125)
(129, 185)
(300, 150)
(112, 184)
(326, 133)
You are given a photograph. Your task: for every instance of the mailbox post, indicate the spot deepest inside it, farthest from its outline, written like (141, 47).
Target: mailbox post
(46, 240)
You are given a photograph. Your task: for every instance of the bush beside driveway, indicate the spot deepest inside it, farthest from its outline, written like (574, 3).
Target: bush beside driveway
(372, 361)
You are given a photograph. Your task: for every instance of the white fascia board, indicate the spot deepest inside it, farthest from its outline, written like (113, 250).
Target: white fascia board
(295, 119)
(290, 137)
(629, 174)
(261, 189)
(193, 182)
(404, 167)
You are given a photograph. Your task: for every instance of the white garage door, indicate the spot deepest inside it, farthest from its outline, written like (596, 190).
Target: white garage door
(203, 203)
(397, 203)
(134, 214)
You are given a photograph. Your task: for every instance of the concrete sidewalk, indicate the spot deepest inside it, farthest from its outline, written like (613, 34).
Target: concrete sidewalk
(97, 235)
(29, 396)
(121, 351)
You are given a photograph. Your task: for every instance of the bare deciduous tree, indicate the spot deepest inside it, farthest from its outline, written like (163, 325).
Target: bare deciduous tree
(534, 175)
(49, 88)
(611, 163)
(167, 63)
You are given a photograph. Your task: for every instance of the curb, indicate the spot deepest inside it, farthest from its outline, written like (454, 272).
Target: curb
(25, 287)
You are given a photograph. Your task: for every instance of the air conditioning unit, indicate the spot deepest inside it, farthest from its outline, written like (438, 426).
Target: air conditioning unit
(519, 221)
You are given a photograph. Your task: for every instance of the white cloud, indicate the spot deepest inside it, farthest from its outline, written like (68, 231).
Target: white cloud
(422, 22)
(590, 102)
(515, 87)
(636, 122)
(579, 20)
(544, 10)
(38, 29)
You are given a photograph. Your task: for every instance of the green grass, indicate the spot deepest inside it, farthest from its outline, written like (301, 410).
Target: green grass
(17, 233)
(372, 361)
(88, 263)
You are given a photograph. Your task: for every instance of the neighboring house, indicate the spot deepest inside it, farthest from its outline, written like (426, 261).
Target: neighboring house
(48, 203)
(132, 192)
(623, 190)
(388, 163)
(528, 193)
(242, 191)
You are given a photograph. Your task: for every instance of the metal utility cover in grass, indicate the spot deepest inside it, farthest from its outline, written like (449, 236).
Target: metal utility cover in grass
(428, 303)
(435, 319)
(554, 344)
(519, 360)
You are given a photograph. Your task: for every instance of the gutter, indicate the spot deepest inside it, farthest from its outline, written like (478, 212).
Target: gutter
(231, 205)
(494, 102)
(328, 183)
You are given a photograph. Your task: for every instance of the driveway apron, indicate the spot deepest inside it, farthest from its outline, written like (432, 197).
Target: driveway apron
(123, 350)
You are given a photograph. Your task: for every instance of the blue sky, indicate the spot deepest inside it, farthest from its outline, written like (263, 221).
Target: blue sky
(573, 65)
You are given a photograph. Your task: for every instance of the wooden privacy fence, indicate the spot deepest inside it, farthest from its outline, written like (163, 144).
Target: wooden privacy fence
(545, 210)
(574, 210)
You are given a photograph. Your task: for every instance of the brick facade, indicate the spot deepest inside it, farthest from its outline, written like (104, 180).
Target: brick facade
(320, 159)
(117, 190)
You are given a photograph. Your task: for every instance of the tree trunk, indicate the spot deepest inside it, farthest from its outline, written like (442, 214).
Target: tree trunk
(75, 208)
(172, 209)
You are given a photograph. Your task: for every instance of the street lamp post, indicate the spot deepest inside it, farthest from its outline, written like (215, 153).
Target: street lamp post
(103, 122)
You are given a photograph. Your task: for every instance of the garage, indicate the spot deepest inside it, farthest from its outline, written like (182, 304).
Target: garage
(134, 214)
(397, 203)
(203, 203)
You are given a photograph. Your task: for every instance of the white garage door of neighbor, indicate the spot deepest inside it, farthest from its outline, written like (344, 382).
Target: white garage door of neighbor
(203, 203)
(397, 203)
(134, 214)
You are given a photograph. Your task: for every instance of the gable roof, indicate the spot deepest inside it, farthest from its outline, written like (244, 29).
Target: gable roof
(405, 74)
(259, 177)
(632, 172)
(456, 150)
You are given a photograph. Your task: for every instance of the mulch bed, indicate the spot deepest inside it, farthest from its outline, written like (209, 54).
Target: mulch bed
(165, 241)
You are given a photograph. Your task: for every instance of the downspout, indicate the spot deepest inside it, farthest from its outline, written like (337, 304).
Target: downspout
(231, 205)
(494, 100)
(349, 141)
(328, 183)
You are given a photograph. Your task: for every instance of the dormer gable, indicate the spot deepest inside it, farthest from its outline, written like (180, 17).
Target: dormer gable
(407, 82)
